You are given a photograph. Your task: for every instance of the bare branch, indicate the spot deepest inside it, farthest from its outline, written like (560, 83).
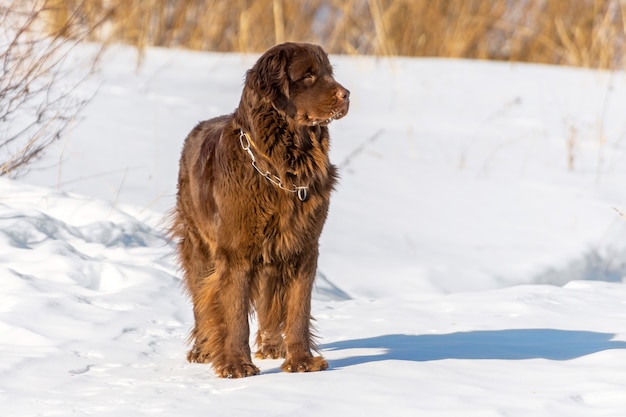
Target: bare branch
(38, 87)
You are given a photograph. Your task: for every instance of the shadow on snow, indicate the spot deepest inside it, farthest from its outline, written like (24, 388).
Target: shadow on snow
(497, 344)
(608, 265)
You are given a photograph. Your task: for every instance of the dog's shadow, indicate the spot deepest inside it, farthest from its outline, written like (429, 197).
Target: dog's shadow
(558, 345)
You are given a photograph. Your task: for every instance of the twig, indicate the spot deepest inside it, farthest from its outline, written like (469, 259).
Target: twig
(38, 103)
(117, 194)
(359, 149)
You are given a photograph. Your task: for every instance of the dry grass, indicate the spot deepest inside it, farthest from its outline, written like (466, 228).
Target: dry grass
(587, 33)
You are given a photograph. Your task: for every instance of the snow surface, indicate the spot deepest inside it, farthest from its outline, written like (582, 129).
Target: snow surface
(473, 262)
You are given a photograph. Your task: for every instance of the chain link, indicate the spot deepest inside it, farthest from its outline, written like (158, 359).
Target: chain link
(246, 145)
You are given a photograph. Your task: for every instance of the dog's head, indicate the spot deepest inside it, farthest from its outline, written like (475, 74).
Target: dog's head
(297, 80)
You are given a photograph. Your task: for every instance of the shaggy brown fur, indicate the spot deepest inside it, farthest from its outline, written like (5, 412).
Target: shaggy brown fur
(248, 241)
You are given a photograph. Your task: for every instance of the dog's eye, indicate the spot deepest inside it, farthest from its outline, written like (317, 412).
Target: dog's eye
(309, 77)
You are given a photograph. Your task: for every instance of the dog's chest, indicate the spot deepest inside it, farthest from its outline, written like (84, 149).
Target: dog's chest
(289, 229)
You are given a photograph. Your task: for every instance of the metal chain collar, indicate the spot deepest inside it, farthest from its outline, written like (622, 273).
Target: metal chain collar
(246, 144)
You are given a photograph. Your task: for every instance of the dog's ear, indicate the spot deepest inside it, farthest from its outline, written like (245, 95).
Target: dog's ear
(269, 78)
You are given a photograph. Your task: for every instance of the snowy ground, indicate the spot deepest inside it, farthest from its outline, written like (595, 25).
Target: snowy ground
(466, 268)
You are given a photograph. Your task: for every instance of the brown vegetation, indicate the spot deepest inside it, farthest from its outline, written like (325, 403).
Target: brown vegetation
(587, 33)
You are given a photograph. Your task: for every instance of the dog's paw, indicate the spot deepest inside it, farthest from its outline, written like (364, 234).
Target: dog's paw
(304, 364)
(271, 352)
(197, 355)
(237, 370)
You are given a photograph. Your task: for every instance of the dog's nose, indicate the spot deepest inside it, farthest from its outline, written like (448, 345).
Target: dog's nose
(343, 94)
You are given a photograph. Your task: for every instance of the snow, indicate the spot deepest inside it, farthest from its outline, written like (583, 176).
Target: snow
(465, 268)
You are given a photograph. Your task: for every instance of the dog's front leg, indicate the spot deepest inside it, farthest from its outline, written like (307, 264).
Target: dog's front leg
(225, 314)
(298, 337)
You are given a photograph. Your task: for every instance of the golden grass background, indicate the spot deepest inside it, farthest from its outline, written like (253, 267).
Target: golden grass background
(589, 33)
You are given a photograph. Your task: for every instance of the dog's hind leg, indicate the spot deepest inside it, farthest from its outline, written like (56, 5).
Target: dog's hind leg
(269, 302)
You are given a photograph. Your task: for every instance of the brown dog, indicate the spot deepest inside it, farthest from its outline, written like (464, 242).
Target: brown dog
(253, 194)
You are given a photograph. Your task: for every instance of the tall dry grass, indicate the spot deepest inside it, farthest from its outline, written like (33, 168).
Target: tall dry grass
(589, 33)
